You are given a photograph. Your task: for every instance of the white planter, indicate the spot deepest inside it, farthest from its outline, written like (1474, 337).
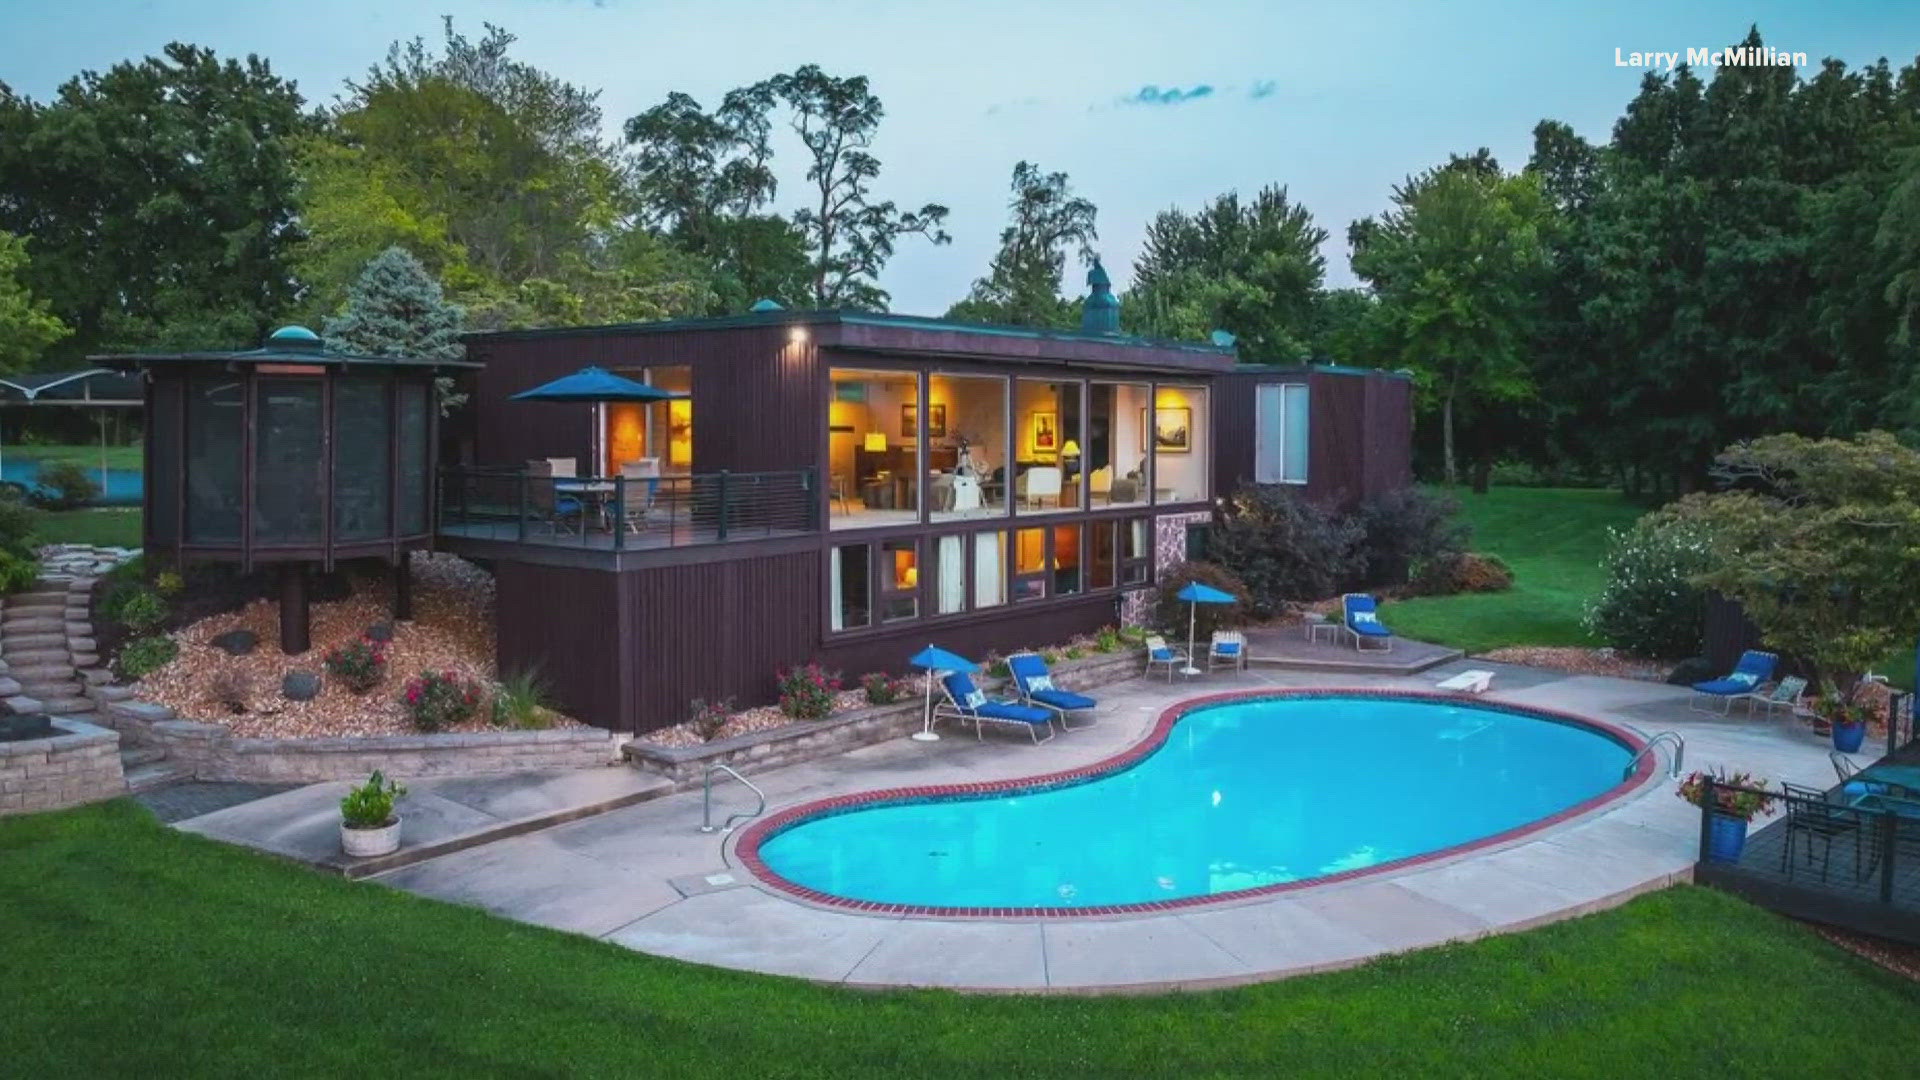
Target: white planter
(362, 843)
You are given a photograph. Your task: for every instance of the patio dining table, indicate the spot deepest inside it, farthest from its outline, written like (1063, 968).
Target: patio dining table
(592, 493)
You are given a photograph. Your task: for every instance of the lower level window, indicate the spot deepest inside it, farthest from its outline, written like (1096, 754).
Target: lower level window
(1136, 551)
(850, 584)
(899, 580)
(1029, 564)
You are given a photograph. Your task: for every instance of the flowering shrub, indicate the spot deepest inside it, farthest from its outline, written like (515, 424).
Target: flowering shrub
(710, 716)
(360, 665)
(437, 700)
(1650, 606)
(1735, 794)
(884, 689)
(806, 692)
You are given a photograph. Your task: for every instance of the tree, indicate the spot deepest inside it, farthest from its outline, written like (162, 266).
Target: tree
(1457, 265)
(159, 196)
(396, 308)
(26, 326)
(1023, 284)
(1252, 269)
(850, 237)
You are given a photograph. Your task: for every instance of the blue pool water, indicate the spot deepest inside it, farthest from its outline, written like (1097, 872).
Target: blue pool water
(123, 486)
(1241, 795)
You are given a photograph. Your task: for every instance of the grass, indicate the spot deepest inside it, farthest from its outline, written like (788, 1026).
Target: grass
(114, 526)
(86, 455)
(133, 950)
(1553, 538)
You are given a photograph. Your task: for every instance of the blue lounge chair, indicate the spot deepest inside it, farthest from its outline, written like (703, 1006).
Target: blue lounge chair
(966, 701)
(1159, 652)
(1754, 668)
(1035, 683)
(1228, 650)
(1361, 619)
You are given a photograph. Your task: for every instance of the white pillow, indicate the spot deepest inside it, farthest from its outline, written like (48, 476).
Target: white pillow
(1744, 678)
(1365, 617)
(1040, 682)
(976, 698)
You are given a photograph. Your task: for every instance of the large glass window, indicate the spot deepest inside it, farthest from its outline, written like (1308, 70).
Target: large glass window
(1116, 449)
(899, 580)
(1280, 433)
(1066, 560)
(1136, 551)
(415, 432)
(1049, 444)
(966, 424)
(661, 431)
(288, 455)
(1029, 564)
(1180, 453)
(1100, 554)
(989, 569)
(215, 417)
(874, 468)
(950, 575)
(362, 473)
(849, 582)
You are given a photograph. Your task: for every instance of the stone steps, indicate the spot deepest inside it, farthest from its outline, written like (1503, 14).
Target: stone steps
(157, 774)
(29, 623)
(68, 706)
(28, 674)
(39, 640)
(37, 655)
(135, 757)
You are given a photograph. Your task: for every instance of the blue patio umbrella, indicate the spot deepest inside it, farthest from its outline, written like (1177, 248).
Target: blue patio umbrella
(594, 385)
(1196, 594)
(936, 660)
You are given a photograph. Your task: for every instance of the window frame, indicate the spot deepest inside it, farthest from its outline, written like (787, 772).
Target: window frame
(1278, 440)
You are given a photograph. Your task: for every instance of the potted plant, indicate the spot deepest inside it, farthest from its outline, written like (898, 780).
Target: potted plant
(1846, 719)
(1737, 799)
(368, 825)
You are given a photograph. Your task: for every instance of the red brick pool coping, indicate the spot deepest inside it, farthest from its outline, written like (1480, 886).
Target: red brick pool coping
(748, 849)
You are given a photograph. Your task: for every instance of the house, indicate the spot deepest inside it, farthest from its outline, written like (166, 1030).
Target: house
(848, 487)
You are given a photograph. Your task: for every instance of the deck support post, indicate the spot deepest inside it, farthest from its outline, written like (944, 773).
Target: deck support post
(293, 608)
(403, 588)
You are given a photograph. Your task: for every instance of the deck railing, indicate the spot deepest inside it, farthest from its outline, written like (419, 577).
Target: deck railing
(619, 513)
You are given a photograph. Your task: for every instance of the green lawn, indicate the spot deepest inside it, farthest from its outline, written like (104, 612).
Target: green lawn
(132, 950)
(117, 526)
(1554, 539)
(84, 455)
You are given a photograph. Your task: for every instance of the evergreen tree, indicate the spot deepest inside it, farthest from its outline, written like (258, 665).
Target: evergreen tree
(396, 309)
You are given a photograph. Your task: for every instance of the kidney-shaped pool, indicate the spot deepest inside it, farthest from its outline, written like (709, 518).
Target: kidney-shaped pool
(1248, 794)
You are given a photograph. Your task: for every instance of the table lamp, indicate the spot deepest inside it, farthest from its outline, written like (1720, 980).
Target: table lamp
(1071, 449)
(876, 442)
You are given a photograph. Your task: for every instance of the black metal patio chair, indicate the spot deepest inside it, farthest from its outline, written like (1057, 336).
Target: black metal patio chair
(1811, 814)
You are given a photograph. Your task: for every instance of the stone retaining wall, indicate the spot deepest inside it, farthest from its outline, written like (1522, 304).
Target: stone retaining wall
(79, 765)
(759, 751)
(213, 752)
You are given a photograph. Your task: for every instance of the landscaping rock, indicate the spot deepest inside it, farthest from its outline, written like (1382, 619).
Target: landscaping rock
(236, 642)
(380, 631)
(300, 686)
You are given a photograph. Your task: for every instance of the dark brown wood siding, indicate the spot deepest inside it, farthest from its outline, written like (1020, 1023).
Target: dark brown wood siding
(1359, 437)
(562, 622)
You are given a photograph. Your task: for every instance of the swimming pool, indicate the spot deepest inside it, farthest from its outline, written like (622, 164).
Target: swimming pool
(1227, 797)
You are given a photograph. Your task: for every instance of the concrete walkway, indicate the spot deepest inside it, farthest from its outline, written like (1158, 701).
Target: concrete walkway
(645, 878)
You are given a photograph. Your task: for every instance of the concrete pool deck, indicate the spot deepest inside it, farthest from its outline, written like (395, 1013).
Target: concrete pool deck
(644, 877)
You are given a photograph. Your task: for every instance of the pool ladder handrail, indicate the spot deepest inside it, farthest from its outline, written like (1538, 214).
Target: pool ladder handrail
(1675, 763)
(706, 800)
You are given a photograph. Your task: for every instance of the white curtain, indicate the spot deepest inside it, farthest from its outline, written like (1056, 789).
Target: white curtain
(1269, 423)
(839, 604)
(953, 575)
(989, 555)
(1298, 410)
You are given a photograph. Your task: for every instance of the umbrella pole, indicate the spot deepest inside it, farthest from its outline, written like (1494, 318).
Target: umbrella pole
(1193, 610)
(926, 732)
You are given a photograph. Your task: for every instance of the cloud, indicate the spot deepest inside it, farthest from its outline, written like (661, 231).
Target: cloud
(1172, 95)
(1262, 88)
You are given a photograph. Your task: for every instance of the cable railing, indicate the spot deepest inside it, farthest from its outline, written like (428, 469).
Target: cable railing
(626, 513)
(1857, 844)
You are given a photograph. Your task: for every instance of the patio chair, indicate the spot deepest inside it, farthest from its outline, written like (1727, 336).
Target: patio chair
(1159, 652)
(549, 507)
(1785, 694)
(965, 701)
(1755, 667)
(1360, 618)
(642, 491)
(840, 484)
(1228, 650)
(1035, 683)
(1811, 815)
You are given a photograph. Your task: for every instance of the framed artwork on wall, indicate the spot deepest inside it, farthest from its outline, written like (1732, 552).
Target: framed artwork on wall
(1045, 433)
(910, 421)
(1172, 428)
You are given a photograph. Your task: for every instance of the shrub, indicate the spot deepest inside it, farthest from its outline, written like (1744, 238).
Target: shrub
(1284, 547)
(16, 524)
(65, 486)
(709, 717)
(806, 692)
(1650, 606)
(17, 573)
(139, 609)
(1108, 639)
(1692, 670)
(997, 666)
(360, 665)
(370, 806)
(1170, 612)
(169, 583)
(520, 701)
(884, 689)
(1403, 529)
(146, 654)
(437, 700)
(1460, 572)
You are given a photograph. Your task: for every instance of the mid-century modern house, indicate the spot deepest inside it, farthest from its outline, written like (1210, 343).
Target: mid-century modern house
(849, 487)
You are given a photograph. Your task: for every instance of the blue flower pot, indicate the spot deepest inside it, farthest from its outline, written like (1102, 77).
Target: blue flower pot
(1726, 838)
(1847, 737)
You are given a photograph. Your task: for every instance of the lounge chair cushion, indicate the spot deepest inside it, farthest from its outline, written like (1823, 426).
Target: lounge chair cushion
(1227, 648)
(1064, 699)
(1007, 710)
(1366, 622)
(1729, 685)
(1162, 654)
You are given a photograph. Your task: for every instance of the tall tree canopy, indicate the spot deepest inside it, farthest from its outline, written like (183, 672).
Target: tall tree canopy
(1252, 268)
(1023, 284)
(1458, 264)
(26, 326)
(160, 199)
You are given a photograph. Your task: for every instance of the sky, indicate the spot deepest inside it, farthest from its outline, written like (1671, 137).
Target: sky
(1145, 106)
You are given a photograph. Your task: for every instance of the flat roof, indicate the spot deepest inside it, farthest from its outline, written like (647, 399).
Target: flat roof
(124, 361)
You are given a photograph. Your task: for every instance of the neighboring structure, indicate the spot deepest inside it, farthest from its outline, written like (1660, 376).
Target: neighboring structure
(288, 454)
(847, 487)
